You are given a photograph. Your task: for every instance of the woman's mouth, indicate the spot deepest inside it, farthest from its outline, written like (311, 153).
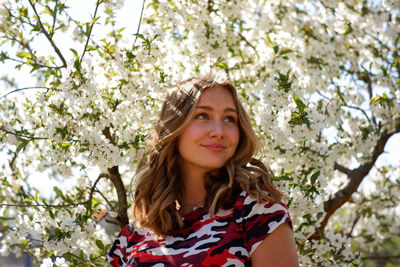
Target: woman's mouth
(214, 147)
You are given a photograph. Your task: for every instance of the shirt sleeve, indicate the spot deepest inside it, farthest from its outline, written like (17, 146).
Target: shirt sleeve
(261, 219)
(117, 255)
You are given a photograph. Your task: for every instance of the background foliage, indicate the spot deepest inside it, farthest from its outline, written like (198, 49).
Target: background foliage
(320, 79)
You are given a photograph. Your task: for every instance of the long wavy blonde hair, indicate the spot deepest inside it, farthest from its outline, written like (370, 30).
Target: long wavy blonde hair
(159, 186)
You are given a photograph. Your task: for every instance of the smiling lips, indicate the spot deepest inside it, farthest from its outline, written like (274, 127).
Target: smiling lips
(214, 147)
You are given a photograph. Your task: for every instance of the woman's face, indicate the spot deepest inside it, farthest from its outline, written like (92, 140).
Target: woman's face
(211, 137)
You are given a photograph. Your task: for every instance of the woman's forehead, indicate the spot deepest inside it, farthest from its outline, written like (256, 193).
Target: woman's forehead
(217, 95)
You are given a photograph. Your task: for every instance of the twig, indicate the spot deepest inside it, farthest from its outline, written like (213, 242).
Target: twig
(246, 41)
(104, 197)
(54, 18)
(43, 205)
(23, 136)
(140, 21)
(35, 64)
(112, 221)
(24, 88)
(6, 218)
(12, 161)
(86, 262)
(48, 36)
(90, 30)
(353, 225)
(353, 107)
(341, 168)
(92, 189)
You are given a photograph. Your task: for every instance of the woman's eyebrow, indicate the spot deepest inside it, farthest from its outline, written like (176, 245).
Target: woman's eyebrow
(210, 109)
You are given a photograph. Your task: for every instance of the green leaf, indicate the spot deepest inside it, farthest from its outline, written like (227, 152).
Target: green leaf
(375, 99)
(270, 41)
(5, 211)
(59, 193)
(300, 105)
(47, 11)
(285, 51)
(276, 49)
(49, 254)
(51, 214)
(314, 177)
(23, 145)
(95, 19)
(99, 244)
(222, 65)
(77, 64)
(24, 55)
(74, 51)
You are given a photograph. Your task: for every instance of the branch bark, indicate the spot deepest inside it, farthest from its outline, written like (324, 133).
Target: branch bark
(107, 133)
(115, 178)
(355, 176)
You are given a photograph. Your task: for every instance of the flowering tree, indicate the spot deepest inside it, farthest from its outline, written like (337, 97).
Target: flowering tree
(321, 80)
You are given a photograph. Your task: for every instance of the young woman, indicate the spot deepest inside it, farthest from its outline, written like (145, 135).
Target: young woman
(202, 199)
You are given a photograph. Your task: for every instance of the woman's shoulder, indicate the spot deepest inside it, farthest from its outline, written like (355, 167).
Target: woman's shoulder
(129, 234)
(248, 206)
(259, 218)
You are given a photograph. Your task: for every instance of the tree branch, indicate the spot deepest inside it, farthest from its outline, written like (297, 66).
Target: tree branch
(107, 134)
(353, 225)
(6, 218)
(22, 135)
(54, 18)
(34, 64)
(92, 189)
(355, 176)
(48, 36)
(115, 178)
(365, 77)
(341, 168)
(104, 197)
(353, 107)
(90, 30)
(24, 88)
(43, 205)
(246, 41)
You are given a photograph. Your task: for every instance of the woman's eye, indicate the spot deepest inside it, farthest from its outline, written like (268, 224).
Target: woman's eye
(202, 116)
(230, 119)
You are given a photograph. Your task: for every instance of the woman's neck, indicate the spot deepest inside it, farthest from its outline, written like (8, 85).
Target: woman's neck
(193, 191)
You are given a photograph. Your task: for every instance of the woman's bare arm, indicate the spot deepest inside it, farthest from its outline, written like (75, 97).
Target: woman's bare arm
(278, 249)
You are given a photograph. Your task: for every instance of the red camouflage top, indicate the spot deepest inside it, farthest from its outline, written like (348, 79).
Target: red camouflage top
(226, 239)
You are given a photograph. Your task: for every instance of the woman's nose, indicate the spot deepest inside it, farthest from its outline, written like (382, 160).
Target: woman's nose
(216, 129)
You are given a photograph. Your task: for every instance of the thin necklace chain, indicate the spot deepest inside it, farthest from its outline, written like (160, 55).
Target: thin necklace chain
(196, 206)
